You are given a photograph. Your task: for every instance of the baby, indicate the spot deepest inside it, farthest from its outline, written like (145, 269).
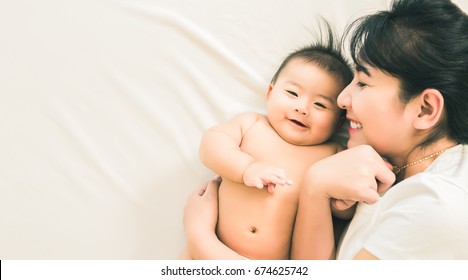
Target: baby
(262, 158)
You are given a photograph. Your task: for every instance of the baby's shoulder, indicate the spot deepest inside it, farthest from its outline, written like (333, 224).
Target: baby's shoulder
(248, 119)
(251, 117)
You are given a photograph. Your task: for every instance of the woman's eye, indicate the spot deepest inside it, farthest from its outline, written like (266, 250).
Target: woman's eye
(361, 84)
(292, 93)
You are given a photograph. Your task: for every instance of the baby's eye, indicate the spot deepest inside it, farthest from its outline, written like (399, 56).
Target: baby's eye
(318, 104)
(292, 93)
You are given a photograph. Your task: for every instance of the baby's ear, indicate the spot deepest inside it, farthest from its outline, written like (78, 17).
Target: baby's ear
(429, 106)
(270, 88)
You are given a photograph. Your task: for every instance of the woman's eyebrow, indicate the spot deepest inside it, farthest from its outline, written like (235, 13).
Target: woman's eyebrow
(360, 68)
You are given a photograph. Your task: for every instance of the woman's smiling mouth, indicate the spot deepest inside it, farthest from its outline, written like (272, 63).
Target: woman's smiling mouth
(355, 124)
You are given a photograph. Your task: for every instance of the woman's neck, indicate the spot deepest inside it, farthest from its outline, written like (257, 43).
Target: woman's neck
(419, 159)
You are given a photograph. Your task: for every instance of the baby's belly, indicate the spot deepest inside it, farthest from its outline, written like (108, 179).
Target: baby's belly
(255, 223)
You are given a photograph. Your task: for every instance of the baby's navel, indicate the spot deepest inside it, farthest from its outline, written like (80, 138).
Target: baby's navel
(253, 229)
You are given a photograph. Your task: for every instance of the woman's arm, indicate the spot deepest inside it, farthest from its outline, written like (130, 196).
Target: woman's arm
(342, 209)
(313, 231)
(200, 216)
(356, 174)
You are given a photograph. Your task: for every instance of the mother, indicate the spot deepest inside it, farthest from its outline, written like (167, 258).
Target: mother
(408, 103)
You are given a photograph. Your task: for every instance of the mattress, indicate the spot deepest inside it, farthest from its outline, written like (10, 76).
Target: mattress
(103, 104)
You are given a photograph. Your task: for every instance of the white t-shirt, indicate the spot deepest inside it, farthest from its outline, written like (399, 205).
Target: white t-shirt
(422, 217)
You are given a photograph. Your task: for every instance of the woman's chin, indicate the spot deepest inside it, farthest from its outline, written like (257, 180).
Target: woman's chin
(353, 142)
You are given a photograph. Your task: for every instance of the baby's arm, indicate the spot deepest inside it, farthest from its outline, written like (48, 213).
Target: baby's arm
(220, 147)
(220, 151)
(259, 175)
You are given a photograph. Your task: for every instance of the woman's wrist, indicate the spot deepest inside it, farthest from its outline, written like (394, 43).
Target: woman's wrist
(312, 189)
(199, 245)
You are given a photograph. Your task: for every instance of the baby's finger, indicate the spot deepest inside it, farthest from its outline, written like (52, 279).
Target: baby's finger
(278, 180)
(259, 184)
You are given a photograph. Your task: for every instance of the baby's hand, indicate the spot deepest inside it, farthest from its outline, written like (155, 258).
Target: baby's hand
(261, 175)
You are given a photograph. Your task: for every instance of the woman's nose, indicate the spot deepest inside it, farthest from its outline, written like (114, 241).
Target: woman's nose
(344, 98)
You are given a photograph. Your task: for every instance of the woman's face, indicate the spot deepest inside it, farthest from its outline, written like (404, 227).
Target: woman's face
(377, 116)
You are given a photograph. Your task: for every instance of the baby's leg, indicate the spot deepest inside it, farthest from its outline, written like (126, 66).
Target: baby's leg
(185, 255)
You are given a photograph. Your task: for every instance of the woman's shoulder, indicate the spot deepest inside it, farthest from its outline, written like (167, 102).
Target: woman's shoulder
(441, 190)
(448, 173)
(442, 187)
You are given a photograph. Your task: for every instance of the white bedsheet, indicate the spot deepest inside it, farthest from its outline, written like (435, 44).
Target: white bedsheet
(103, 103)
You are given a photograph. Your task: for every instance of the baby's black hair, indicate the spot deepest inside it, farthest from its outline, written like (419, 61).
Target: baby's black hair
(326, 54)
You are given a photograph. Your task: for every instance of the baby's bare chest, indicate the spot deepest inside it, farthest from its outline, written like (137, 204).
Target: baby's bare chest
(265, 145)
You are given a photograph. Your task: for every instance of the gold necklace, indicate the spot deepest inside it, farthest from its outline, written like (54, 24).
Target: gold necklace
(397, 169)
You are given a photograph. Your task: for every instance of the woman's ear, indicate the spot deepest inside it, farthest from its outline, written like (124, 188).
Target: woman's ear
(430, 105)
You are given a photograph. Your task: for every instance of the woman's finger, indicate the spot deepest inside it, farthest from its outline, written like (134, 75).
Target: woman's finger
(201, 190)
(385, 177)
(340, 204)
(212, 187)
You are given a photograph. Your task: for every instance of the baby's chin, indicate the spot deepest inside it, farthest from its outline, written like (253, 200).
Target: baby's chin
(302, 142)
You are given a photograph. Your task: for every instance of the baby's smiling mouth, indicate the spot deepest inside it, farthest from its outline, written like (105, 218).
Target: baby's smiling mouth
(297, 123)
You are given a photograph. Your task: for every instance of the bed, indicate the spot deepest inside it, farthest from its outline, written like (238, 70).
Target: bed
(103, 104)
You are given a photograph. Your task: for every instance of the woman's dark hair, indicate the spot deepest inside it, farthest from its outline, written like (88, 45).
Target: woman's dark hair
(423, 43)
(326, 54)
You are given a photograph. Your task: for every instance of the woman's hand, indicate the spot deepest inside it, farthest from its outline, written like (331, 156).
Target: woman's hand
(201, 210)
(356, 174)
(200, 218)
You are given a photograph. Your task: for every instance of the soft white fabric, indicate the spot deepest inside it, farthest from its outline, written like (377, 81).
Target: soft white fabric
(423, 217)
(103, 103)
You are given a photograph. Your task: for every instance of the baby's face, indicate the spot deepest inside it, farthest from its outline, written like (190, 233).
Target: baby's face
(301, 105)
